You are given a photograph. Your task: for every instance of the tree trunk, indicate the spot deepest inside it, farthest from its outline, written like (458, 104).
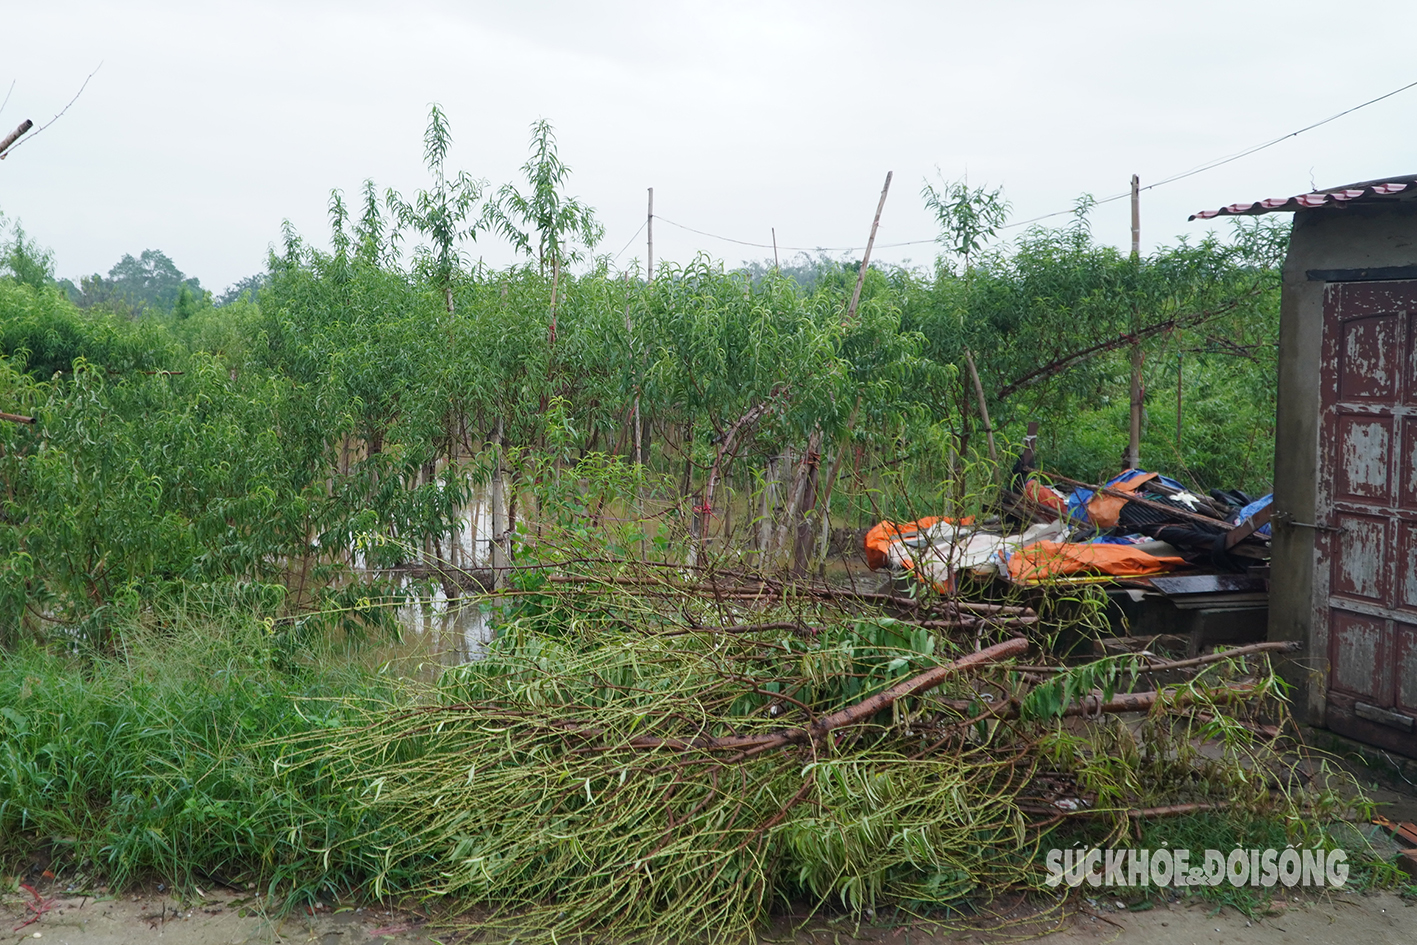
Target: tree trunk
(500, 526)
(555, 286)
(769, 505)
(805, 498)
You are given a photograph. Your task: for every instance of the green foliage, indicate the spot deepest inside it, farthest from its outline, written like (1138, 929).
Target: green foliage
(1090, 680)
(544, 221)
(25, 260)
(968, 217)
(442, 214)
(146, 285)
(162, 760)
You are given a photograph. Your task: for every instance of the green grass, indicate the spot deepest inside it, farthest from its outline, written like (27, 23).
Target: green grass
(214, 749)
(164, 760)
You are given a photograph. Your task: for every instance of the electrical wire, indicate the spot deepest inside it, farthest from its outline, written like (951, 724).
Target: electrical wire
(617, 256)
(804, 249)
(1198, 169)
(1210, 165)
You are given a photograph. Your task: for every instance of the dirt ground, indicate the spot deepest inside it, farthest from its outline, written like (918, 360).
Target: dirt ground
(1378, 918)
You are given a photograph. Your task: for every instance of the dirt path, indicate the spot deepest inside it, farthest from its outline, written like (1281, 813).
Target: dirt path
(219, 919)
(227, 919)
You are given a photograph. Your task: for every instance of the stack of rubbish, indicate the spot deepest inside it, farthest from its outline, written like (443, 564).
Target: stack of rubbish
(1052, 529)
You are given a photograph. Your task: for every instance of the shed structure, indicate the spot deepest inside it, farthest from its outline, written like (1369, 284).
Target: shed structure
(1344, 551)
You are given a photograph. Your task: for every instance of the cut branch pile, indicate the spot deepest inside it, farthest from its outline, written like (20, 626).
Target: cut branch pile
(632, 769)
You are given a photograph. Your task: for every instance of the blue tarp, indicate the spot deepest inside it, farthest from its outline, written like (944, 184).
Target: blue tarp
(1251, 509)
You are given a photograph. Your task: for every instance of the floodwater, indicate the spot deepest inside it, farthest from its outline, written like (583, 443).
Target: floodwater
(441, 631)
(444, 631)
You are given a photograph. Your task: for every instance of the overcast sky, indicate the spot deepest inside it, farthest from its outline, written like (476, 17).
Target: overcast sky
(210, 123)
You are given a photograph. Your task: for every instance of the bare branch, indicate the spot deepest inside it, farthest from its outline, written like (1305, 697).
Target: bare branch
(1062, 364)
(57, 116)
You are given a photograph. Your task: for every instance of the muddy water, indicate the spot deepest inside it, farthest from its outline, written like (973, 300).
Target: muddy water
(439, 631)
(447, 632)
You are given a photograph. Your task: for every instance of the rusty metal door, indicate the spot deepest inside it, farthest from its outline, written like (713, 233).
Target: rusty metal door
(1367, 511)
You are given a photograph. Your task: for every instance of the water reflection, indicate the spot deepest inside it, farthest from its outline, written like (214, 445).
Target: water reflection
(447, 632)
(454, 631)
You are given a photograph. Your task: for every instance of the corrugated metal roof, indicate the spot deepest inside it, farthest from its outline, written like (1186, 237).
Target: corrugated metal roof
(1368, 191)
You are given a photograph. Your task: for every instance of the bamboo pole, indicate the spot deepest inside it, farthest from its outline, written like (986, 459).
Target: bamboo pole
(983, 408)
(866, 259)
(1134, 431)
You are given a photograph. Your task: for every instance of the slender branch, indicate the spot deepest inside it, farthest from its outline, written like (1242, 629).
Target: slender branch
(1059, 365)
(1275, 646)
(57, 116)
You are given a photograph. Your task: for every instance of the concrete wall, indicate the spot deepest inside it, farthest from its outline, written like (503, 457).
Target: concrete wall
(1359, 237)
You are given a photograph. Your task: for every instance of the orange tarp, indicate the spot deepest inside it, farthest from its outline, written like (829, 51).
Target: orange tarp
(1103, 509)
(880, 538)
(1051, 559)
(1040, 494)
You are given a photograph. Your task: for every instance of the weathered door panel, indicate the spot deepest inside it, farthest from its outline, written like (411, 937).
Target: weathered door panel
(1367, 567)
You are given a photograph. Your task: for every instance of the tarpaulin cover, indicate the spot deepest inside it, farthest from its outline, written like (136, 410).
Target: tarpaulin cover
(1045, 560)
(1045, 496)
(1103, 509)
(880, 538)
(1250, 510)
(1085, 505)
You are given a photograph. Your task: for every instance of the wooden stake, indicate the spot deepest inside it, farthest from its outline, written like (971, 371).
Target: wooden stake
(983, 407)
(649, 237)
(1136, 217)
(775, 264)
(1137, 397)
(866, 259)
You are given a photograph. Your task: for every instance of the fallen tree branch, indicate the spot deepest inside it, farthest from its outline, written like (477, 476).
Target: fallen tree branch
(1273, 646)
(1059, 365)
(1124, 702)
(852, 714)
(1146, 813)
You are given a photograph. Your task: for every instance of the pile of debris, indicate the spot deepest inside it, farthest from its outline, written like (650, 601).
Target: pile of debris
(1050, 529)
(646, 754)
